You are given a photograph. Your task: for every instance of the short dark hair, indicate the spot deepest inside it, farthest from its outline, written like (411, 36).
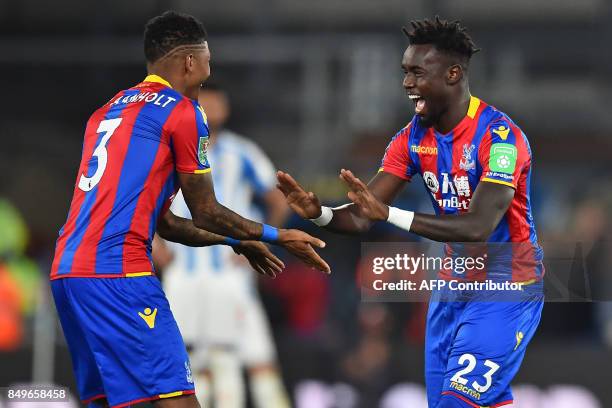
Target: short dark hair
(447, 36)
(170, 30)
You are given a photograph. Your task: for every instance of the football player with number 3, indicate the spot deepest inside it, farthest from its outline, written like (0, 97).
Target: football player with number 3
(139, 148)
(476, 164)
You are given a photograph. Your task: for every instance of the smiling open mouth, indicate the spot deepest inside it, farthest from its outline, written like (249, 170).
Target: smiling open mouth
(419, 103)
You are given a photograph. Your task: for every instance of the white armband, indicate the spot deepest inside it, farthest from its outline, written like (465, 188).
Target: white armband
(325, 218)
(400, 218)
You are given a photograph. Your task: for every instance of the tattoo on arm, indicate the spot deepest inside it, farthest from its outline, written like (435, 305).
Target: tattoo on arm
(208, 214)
(181, 230)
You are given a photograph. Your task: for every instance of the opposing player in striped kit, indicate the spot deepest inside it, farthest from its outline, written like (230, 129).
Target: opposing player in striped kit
(213, 294)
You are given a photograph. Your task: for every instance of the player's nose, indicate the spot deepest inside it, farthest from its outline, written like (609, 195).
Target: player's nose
(408, 82)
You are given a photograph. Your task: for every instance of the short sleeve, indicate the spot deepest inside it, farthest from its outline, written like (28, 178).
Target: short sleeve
(258, 169)
(503, 154)
(397, 158)
(189, 139)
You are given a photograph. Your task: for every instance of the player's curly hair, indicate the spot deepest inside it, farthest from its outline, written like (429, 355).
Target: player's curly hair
(170, 30)
(446, 36)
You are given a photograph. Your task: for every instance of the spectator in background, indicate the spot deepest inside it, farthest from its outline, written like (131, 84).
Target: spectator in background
(591, 226)
(19, 278)
(11, 320)
(304, 298)
(368, 364)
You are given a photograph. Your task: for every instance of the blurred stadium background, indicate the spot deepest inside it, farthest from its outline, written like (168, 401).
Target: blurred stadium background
(318, 85)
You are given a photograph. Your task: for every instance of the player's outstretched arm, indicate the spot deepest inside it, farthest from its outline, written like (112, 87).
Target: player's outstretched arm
(489, 204)
(181, 230)
(177, 229)
(346, 218)
(209, 215)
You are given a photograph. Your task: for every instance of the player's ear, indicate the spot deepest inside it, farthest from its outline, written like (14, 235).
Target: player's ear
(454, 74)
(189, 62)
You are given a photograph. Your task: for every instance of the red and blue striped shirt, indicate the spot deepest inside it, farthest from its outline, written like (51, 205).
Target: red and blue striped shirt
(133, 148)
(486, 146)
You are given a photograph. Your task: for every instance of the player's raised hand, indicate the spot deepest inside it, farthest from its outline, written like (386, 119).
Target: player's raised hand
(301, 244)
(260, 257)
(305, 204)
(369, 206)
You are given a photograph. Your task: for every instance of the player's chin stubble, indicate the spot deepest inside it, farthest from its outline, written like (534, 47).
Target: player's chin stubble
(426, 121)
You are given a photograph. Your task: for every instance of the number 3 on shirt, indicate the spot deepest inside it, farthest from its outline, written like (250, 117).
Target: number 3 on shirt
(108, 127)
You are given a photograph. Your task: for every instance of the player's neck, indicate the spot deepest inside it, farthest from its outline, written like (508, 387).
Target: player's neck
(175, 81)
(454, 115)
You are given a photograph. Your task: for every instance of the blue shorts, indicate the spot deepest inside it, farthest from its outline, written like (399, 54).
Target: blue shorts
(474, 345)
(124, 342)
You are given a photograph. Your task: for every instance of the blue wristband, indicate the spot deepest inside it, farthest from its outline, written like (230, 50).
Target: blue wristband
(269, 234)
(231, 241)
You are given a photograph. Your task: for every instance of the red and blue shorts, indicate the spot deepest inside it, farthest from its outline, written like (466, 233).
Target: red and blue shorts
(475, 344)
(124, 342)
